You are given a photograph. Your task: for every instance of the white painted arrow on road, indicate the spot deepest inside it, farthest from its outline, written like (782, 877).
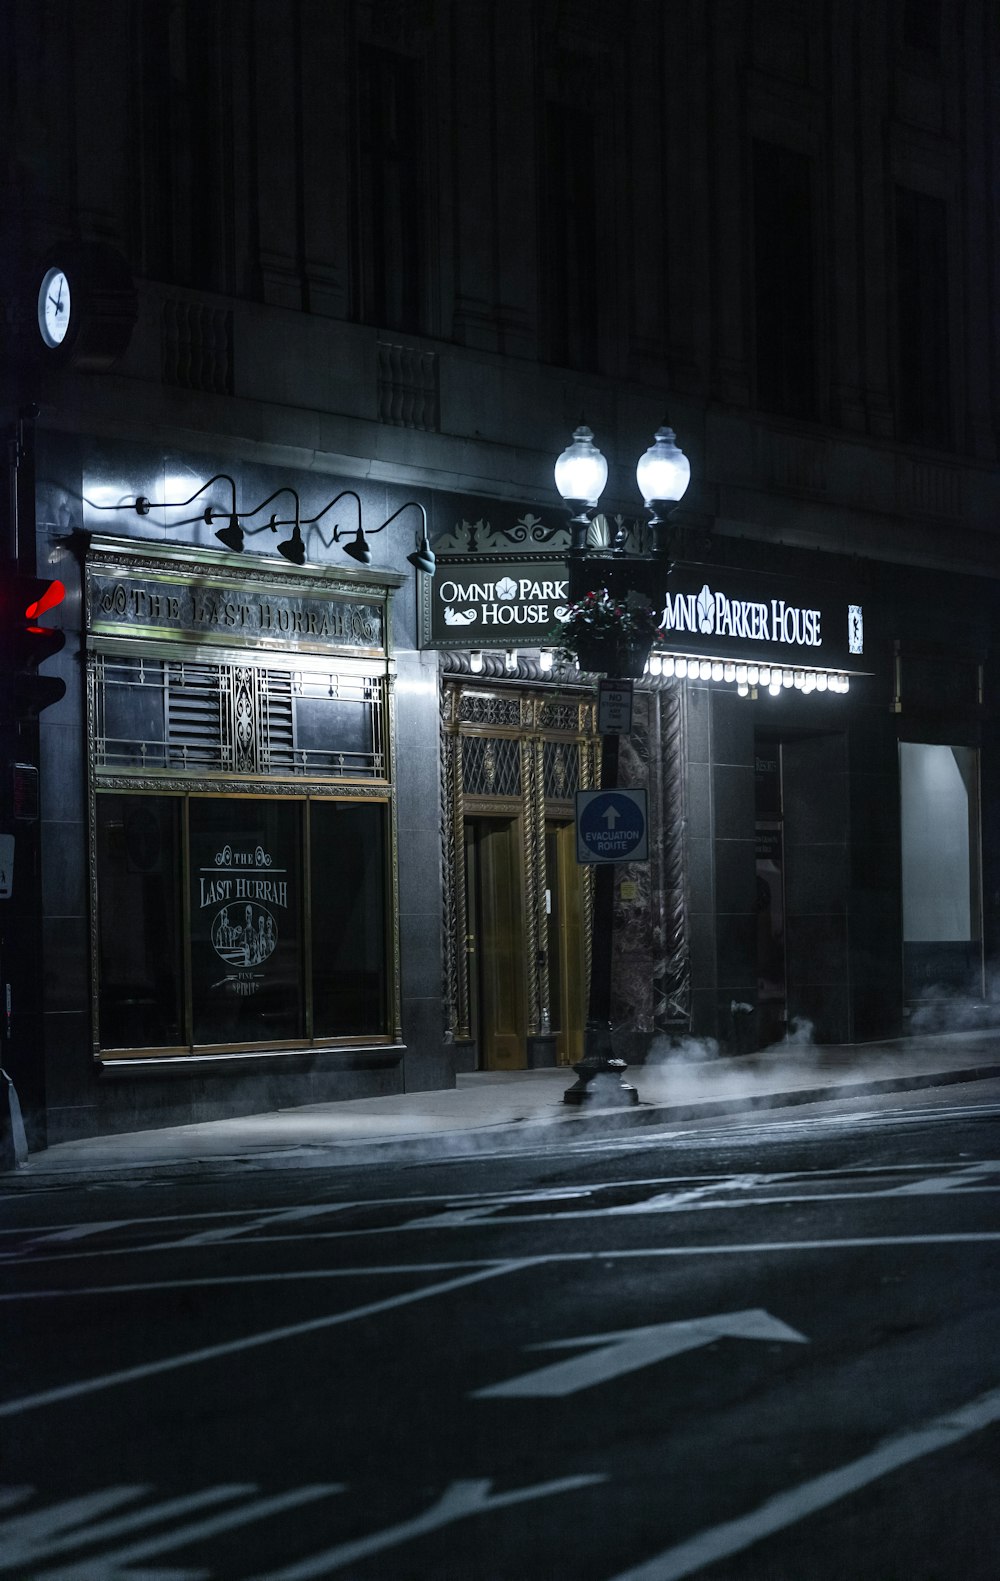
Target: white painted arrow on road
(628, 1349)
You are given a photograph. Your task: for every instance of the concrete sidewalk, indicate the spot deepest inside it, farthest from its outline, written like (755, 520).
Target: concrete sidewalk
(494, 1111)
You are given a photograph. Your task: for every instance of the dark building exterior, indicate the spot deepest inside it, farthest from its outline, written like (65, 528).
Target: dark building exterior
(288, 282)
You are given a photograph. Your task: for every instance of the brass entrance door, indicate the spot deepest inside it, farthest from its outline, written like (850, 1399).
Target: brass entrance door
(493, 868)
(565, 941)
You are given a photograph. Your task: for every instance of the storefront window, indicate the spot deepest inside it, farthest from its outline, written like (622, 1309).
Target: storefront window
(245, 905)
(347, 868)
(203, 904)
(139, 954)
(939, 804)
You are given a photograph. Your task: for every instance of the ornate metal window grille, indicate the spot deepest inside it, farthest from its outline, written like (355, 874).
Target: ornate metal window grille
(184, 715)
(559, 716)
(491, 766)
(561, 770)
(475, 708)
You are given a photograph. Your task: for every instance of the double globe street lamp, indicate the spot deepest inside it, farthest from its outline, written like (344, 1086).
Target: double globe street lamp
(663, 473)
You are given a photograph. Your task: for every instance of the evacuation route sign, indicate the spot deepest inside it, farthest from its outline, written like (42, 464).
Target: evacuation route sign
(611, 826)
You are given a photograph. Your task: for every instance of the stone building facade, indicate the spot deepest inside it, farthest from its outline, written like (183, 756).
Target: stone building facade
(364, 265)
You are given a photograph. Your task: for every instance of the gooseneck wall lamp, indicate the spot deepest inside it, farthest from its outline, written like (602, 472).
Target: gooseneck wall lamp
(292, 548)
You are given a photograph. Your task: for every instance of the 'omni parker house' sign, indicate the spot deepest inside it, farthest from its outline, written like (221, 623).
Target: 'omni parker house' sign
(727, 612)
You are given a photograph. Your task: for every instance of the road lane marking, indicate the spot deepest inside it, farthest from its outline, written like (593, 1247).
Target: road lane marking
(287, 1331)
(493, 1216)
(958, 1179)
(42, 1533)
(261, 1221)
(239, 1222)
(117, 1564)
(536, 1260)
(459, 1500)
(794, 1505)
(629, 1349)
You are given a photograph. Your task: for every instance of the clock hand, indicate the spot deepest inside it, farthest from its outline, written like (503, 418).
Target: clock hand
(56, 300)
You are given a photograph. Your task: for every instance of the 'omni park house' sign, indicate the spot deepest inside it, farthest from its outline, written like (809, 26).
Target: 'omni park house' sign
(484, 601)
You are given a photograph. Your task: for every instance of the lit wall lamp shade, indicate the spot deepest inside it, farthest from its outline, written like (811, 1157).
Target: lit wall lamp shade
(581, 471)
(359, 548)
(231, 536)
(422, 558)
(293, 548)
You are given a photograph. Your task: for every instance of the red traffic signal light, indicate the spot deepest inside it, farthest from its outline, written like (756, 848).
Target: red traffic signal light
(52, 594)
(24, 643)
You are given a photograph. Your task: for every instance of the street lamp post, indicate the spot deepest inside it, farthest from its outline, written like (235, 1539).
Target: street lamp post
(581, 472)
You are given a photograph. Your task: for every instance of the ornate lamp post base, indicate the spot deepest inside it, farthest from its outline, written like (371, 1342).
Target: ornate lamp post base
(599, 1075)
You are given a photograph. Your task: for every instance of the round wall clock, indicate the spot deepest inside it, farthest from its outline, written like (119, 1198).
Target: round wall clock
(86, 305)
(55, 307)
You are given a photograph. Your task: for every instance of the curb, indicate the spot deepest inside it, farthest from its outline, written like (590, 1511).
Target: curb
(480, 1141)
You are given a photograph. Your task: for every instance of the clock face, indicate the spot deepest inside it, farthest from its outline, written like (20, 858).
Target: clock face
(54, 307)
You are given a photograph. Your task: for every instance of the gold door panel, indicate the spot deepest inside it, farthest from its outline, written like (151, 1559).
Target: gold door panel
(497, 910)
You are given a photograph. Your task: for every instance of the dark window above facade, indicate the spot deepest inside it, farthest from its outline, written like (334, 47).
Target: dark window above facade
(391, 191)
(923, 406)
(181, 149)
(570, 297)
(784, 285)
(922, 25)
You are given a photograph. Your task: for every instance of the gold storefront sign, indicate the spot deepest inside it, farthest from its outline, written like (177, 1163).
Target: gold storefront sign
(139, 589)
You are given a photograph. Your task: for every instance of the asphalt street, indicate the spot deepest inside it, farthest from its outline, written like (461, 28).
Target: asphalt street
(761, 1348)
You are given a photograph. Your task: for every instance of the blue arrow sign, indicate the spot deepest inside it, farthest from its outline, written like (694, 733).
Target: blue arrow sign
(612, 826)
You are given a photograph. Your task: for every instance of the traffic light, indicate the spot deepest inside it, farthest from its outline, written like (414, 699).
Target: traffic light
(25, 642)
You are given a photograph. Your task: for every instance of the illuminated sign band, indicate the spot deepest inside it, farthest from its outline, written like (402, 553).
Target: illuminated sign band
(732, 613)
(715, 614)
(728, 612)
(496, 602)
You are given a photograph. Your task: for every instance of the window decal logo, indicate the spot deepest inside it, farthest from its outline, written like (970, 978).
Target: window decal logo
(244, 936)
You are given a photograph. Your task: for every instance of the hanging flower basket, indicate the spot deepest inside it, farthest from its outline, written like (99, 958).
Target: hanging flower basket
(607, 637)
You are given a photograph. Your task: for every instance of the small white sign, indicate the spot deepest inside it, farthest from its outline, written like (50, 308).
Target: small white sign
(614, 708)
(6, 866)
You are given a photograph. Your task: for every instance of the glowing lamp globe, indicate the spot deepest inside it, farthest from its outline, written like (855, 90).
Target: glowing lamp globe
(581, 471)
(664, 472)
